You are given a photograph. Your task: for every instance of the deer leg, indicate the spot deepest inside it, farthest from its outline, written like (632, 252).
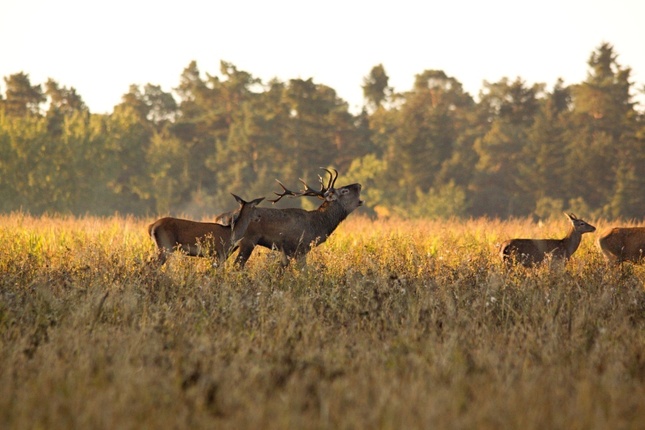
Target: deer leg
(284, 261)
(215, 260)
(301, 261)
(194, 250)
(612, 259)
(290, 253)
(159, 257)
(244, 254)
(222, 254)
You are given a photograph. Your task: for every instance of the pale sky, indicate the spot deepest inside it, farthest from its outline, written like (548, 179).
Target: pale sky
(101, 47)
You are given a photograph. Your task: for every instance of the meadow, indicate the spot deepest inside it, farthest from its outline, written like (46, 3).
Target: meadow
(392, 324)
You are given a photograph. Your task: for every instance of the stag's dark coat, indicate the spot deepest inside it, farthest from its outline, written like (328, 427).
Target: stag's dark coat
(295, 231)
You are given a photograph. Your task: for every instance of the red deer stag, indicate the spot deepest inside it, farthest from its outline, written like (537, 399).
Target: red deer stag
(620, 244)
(198, 239)
(294, 231)
(529, 252)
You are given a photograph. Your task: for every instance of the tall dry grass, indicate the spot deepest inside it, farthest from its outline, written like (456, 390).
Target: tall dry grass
(392, 324)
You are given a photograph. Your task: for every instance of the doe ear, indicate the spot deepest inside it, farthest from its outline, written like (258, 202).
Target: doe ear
(257, 201)
(238, 199)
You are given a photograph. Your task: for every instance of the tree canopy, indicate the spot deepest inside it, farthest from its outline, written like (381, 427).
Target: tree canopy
(434, 150)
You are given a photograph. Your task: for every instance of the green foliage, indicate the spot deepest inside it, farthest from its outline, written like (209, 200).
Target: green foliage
(446, 202)
(520, 150)
(375, 87)
(425, 132)
(547, 208)
(21, 98)
(370, 173)
(167, 161)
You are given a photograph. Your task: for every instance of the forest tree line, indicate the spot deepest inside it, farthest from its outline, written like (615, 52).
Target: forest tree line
(433, 151)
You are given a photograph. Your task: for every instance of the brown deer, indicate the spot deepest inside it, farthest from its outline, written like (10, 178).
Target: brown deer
(199, 239)
(620, 244)
(294, 232)
(529, 252)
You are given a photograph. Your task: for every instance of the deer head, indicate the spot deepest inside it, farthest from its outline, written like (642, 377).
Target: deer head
(326, 192)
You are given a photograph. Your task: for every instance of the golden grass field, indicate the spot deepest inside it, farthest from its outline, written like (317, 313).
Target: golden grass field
(391, 325)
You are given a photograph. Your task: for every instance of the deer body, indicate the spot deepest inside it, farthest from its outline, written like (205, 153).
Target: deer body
(195, 238)
(295, 231)
(620, 244)
(530, 252)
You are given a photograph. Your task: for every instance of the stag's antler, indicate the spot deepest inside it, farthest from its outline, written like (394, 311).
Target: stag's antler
(308, 191)
(286, 192)
(332, 179)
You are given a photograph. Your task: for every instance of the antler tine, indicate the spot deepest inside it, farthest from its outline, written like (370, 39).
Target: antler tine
(308, 191)
(332, 178)
(322, 183)
(286, 192)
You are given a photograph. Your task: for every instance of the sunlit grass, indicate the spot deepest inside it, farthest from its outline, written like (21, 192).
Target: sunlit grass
(391, 324)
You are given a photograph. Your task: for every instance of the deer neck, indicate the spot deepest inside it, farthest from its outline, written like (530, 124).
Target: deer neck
(571, 242)
(329, 215)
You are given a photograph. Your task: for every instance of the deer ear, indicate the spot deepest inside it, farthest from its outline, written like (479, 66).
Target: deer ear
(237, 198)
(331, 197)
